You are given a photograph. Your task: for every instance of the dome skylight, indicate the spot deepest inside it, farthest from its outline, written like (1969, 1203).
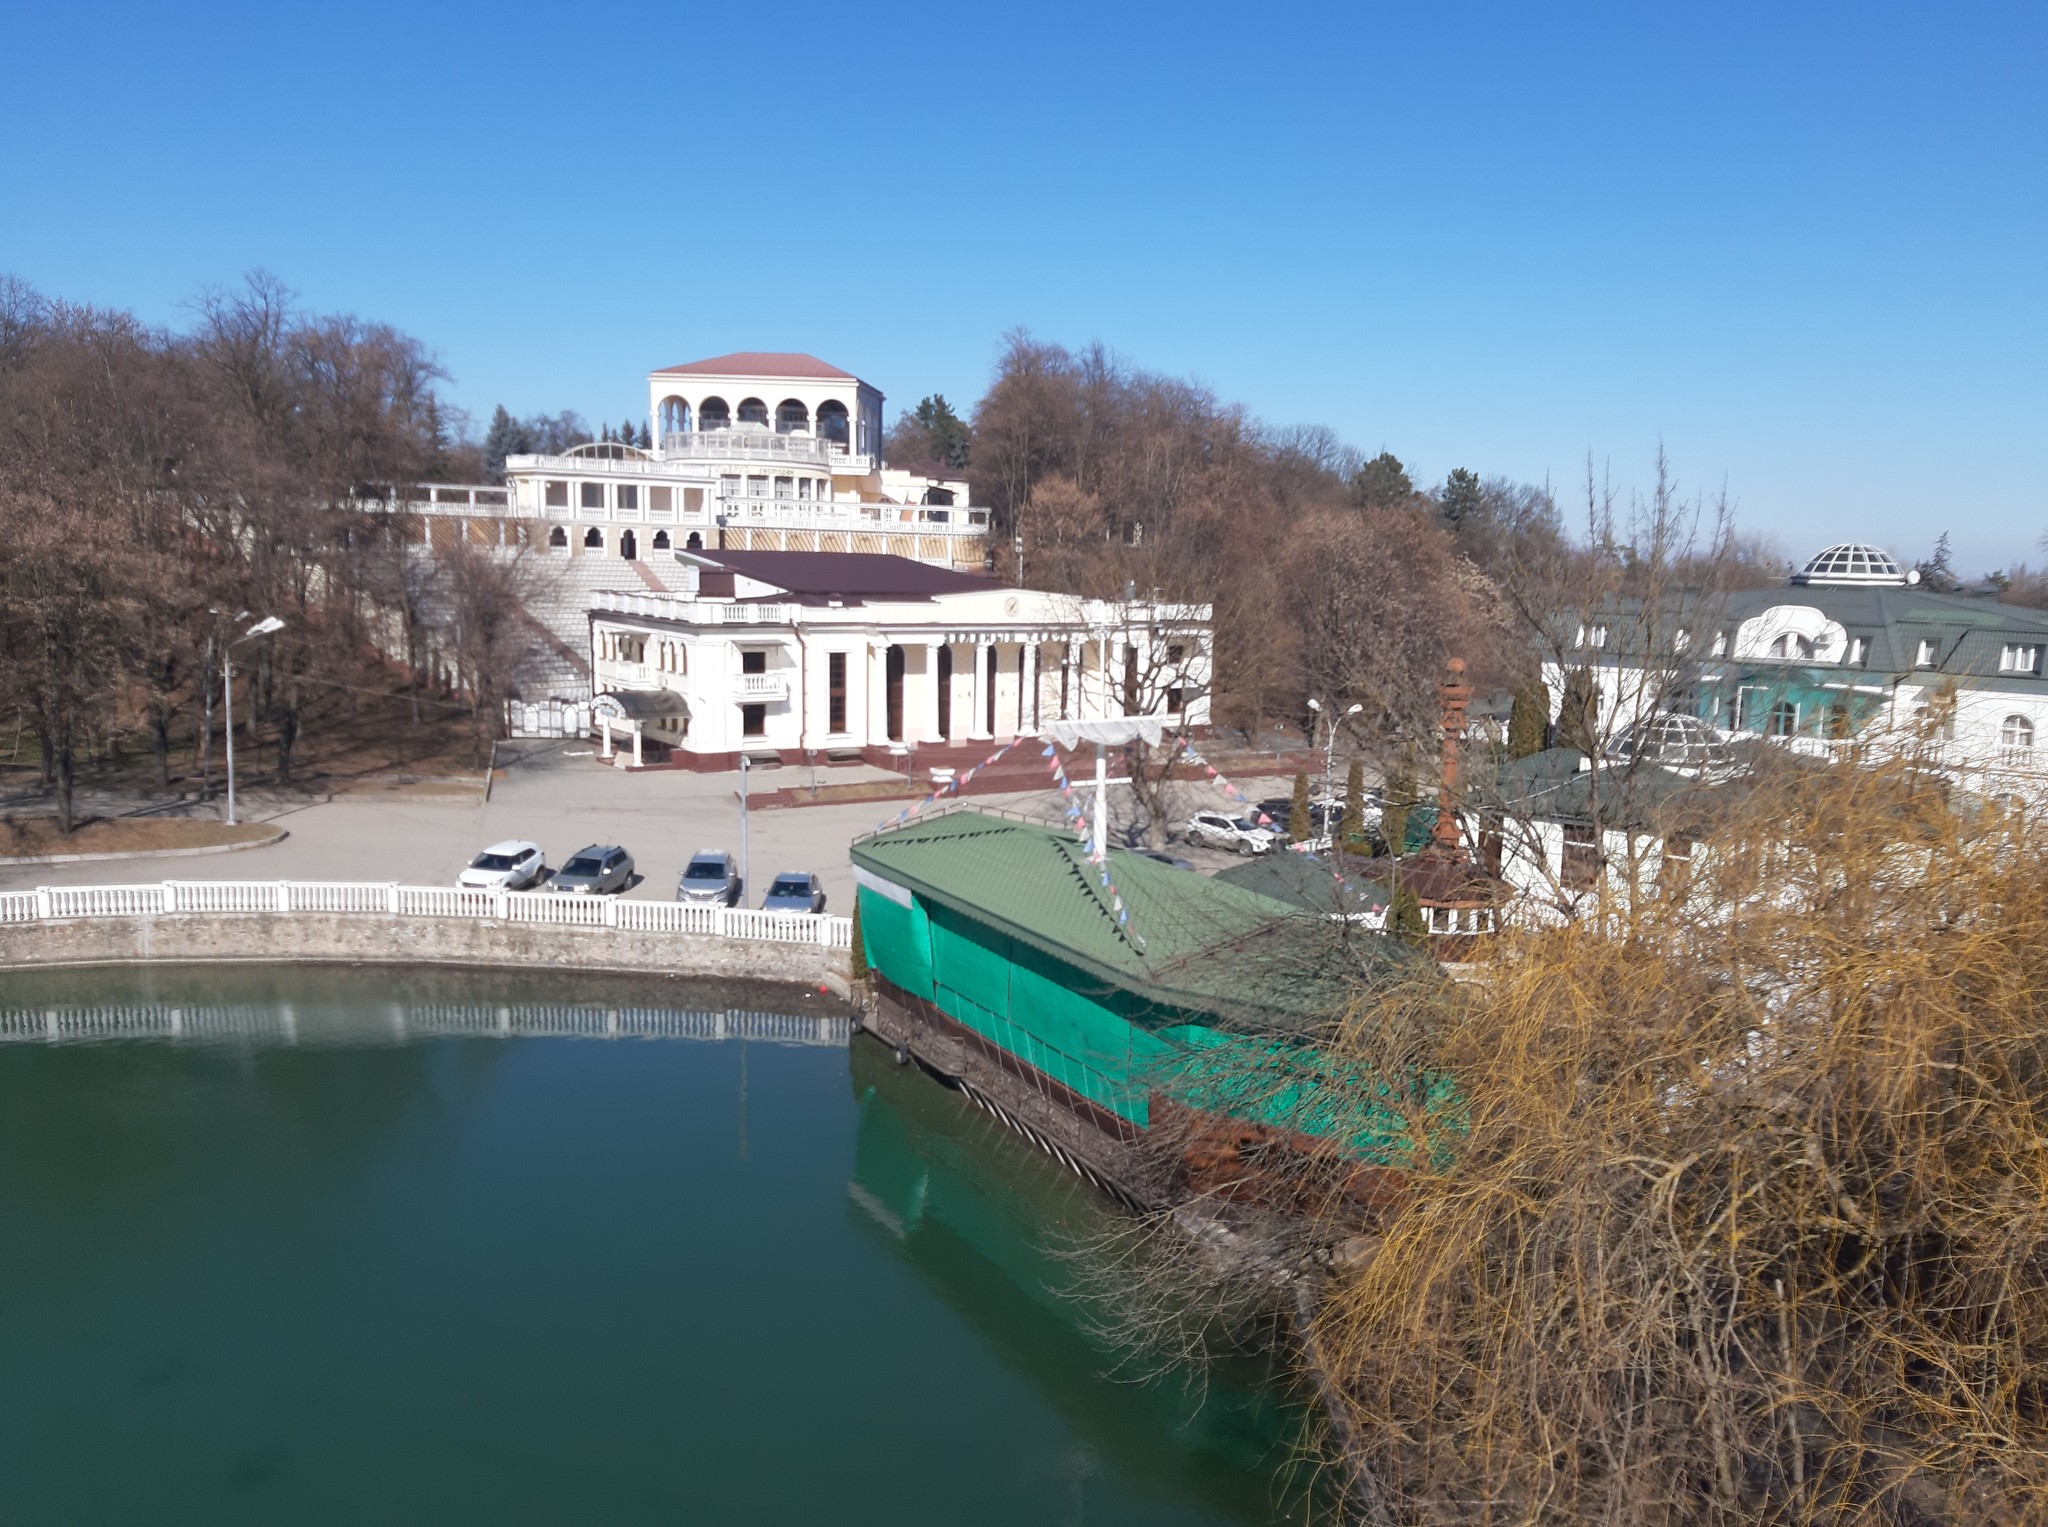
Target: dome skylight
(1851, 565)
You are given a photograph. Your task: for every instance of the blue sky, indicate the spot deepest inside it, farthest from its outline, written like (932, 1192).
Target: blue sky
(1801, 245)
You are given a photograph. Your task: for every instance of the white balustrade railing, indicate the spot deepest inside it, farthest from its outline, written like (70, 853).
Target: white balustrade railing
(285, 898)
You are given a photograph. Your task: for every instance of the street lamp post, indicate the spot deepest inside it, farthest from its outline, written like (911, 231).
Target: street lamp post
(743, 830)
(262, 627)
(1330, 741)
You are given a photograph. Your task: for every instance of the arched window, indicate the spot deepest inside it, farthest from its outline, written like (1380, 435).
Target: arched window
(712, 413)
(675, 417)
(753, 414)
(661, 540)
(792, 418)
(695, 543)
(2017, 735)
(832, 421)
(1792, 646)
(629, 546)
(1783, 720)
(594, 538)
(558, 537)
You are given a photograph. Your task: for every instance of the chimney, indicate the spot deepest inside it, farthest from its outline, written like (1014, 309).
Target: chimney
(1456, 696)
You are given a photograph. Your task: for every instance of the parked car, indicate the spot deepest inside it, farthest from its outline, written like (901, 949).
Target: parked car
(594, 870)
(1241, 835)
(710, 876)
(794, 893)
(514, 865)
(1159, 856)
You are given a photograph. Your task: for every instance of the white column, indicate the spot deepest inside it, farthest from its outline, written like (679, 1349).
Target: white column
(977, 725)
(604, 726)
(931, 695)
(1027, 691)
(638, 727)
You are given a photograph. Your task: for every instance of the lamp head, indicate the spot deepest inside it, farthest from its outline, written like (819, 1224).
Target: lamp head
(265, 626)
(1354, 710)
(1315, 704)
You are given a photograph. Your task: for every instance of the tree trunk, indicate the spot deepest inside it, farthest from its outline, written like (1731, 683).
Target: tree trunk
(160, 741)
(49, 761)
(65, 780)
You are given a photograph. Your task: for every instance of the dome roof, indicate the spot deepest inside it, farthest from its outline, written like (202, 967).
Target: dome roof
(1851, 564)
(1675, 740)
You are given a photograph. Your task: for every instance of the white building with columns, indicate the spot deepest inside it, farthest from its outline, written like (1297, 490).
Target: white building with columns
(819, 654)
(754, 451)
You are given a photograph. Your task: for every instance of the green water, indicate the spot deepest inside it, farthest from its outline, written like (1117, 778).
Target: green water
(323, 1273)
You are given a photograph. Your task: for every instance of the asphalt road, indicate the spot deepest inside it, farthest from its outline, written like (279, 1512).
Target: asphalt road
(562, 802)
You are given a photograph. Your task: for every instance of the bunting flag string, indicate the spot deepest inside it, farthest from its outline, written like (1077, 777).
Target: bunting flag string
(1329, 864)
(949, 787)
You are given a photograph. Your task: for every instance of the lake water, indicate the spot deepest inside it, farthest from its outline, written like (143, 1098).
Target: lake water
(333, 1268)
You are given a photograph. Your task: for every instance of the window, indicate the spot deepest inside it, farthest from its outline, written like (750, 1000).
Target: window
(1783, 720)
(803, 487)
(2016, 736)
(785, 487)
(2016, 658)
(1592, 636)
(558, 537)
(1923, 655)
(1176, 653)
(835, 692)
(1792, 646)
(729, 486)
(593, 495)
(661, 540)
(557, 495)
(1681, 639)
(757, 487)
(1599, 636)
(628, 496)
(1859, 652)
(755, 661)
(661, 500)
(753, 721)
(1581, 866)
(1720, 644)
(593, 538)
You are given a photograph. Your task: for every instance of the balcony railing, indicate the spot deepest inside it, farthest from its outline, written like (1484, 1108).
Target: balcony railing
(694, 611)
(764, 686)
(761, 445)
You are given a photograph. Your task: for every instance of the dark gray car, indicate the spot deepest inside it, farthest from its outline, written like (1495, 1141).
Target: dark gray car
(591, 871)
(710, 876)
(794, 893)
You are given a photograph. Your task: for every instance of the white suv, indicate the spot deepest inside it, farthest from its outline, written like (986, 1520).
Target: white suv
(1241, 835)
(513, 865)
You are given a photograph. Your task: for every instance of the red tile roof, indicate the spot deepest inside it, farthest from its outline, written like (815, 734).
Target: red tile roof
(851, 575)
(761, 363)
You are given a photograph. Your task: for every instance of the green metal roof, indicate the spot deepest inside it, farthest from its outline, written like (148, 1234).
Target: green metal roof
(1182, 939)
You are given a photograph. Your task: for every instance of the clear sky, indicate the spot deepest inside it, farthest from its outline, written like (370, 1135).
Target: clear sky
(1800, 244)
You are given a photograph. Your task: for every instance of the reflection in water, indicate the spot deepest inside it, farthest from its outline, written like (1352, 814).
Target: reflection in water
(1000, 1232)
(301, 1271)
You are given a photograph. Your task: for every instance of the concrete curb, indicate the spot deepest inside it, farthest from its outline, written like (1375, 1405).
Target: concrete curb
(149, 853)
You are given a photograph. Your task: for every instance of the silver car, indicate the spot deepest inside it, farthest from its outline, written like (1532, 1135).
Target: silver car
(794, 893)
(594, 870)
(710, 876)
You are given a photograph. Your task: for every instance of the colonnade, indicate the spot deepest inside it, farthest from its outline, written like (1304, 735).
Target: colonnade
(994, 689)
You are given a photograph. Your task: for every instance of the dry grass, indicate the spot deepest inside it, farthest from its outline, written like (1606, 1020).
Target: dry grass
(33, 836)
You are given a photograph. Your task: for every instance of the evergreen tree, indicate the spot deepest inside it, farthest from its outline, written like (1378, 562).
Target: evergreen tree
(627, 433)
(646, 436)
(1404, 917)
(1578, 713)
(1528, 721)
(1394, 812)
(506, 437)
(604, 434)
(1300, 825)
(1351, 827)
(1381, 483)
(1938, 572)
(1461, 501)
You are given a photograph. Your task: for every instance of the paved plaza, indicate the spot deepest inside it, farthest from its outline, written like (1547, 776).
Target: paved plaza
(559, 797)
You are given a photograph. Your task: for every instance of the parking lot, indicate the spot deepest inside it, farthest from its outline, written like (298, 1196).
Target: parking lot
(559, 797)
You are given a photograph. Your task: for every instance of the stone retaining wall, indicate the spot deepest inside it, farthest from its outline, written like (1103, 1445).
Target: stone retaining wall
(379, 938)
